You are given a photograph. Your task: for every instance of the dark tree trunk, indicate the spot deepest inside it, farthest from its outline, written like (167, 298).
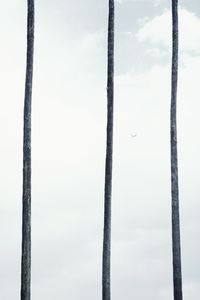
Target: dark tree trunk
(109, 151)
(26, 201)
(176, 247)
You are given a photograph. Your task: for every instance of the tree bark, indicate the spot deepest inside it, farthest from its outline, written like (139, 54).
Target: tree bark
(176, 247)
(109, 154)
(26, 198)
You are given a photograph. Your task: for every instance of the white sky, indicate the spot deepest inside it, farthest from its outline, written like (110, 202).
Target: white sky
(69, 122)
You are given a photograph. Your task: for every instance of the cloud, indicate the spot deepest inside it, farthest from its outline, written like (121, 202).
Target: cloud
(147, 97)
(154, 2)
(157, 31)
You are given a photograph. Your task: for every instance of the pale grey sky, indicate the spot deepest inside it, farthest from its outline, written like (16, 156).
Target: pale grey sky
(69, 117)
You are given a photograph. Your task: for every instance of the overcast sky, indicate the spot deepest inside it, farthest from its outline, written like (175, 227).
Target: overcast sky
(69, 127)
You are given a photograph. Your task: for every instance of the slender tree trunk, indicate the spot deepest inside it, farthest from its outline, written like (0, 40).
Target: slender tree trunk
(26, 201)
(176, 247)
(109, 151)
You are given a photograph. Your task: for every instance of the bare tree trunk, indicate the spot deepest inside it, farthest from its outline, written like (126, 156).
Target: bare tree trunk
(26, 201)
(109, 151)
(176, 247)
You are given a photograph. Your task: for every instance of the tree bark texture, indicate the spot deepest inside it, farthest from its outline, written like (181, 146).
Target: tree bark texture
(176, 247)
(26, 198)
(109, 154)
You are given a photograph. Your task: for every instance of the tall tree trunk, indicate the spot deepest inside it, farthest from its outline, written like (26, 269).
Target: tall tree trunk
(176, 247)
(26, 201)
(109, 151)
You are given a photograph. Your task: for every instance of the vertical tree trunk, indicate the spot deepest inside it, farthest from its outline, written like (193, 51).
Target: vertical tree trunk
(109, 151)
(26, 201)
(176, 248)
